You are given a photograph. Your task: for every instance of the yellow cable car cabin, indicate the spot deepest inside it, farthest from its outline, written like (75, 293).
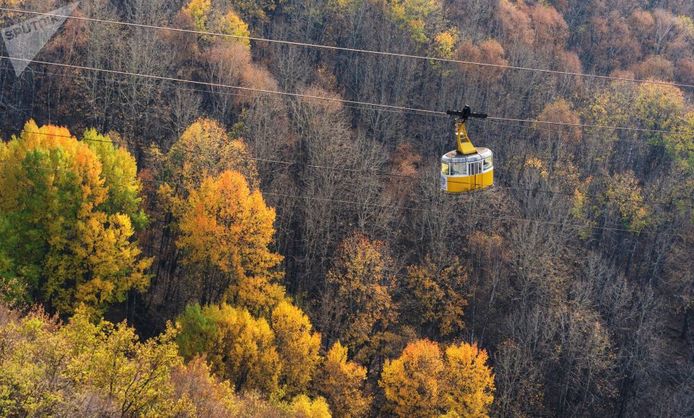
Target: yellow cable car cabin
(468, 167)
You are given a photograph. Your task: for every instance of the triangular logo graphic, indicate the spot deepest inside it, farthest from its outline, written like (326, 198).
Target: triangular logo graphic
(24, 40)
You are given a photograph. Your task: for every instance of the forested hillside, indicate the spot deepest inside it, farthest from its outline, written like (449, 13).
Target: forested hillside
(205, 222)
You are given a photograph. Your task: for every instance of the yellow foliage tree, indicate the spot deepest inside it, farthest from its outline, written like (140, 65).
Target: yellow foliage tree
(66, 219)
(114, 362)
(233, 25)
(278, 359)
(114, 264)
(238, 347)
(204, 150)
(658, 106)
(624, 192)
(446, 43)
(680, 145)
(198, 11)
(219, 20)
(259, 294)
(470, 383)
(297, 345)
(412, 383)
(341, 382)
(415, 16)
(31, 351)
(421, 383)
(304, 407)
(649, 106)
(84, 369)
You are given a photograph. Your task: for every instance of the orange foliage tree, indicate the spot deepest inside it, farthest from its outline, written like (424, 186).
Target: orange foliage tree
(434, 298)
(225, 230)
(358, 304)
(341, 382)
(184, 272)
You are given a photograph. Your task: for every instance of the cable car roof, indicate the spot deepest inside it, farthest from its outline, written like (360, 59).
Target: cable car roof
(455, 157)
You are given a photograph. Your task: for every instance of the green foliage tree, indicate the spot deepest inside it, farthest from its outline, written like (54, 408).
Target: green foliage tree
(119, 171)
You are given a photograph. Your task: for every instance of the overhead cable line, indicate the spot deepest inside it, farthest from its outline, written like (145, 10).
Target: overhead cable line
(372, 106)
(583, 125)
(241, 88)
(417, 209)
(375, 205)
(375, 171)
(346, 49)
(503, 121)
(47, 74)
(382, 173)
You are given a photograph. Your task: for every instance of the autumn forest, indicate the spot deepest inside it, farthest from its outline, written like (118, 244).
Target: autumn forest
(232, 208)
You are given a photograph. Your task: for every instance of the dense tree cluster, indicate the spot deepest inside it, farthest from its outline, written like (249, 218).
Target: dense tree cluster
(200, 250)
(83, 368)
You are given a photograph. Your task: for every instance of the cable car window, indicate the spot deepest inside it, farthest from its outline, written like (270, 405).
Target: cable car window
(475, 168)
(458, 169)
(487, 163)
(444, 168)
